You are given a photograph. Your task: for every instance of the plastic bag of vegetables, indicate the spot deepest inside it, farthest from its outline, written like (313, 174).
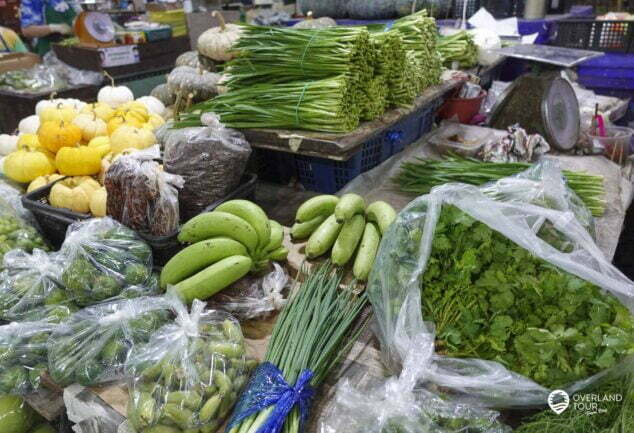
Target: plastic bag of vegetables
(16, 416)
(188, 376)
(30, 287)
(211, 160)
(104, 259)
(23, 351)
(17, 228)
(516, 295)
(92, 346)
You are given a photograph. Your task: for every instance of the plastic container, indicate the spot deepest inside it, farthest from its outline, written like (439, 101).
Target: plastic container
(462, 108)
(616, 144)
(465, 140)
(607, 36)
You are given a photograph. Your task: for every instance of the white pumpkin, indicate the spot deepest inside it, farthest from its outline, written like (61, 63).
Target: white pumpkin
(216, 43)
(90, 125)
(114, 95)
(29, 125)
(8, 144)
(46, 103)
(2, 164)
(154, 105)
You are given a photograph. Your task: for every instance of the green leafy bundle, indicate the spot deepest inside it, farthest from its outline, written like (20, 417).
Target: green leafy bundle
(491, 299)
(460, 48)
(421, 175)
(617, 418)
(313, 332)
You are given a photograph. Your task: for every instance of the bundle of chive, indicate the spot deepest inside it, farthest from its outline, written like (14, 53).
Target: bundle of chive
(460, 48)
(311, 335)
(421, 176)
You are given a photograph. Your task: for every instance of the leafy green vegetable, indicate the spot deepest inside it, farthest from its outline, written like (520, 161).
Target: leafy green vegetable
(491, 299)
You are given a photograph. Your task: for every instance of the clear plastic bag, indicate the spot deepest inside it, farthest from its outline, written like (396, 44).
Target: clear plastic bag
(142, 196)
(211, 160)
(30, 287)
(397, 406)
(190, 373)
(549, 234)
(252, 297)
(103, 259)
(17, 227)
(92, 346)
(23, 354)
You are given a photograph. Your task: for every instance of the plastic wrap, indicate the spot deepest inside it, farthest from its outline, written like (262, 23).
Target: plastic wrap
(252, 297)
(74, 76)
(211, 160)
(394, 287)
(397, 406)
(189, 374)
(92, 346)
(30, 287)
(142, 196)
(23, 352)
(38, 79)
(17, 227)
(103, 259)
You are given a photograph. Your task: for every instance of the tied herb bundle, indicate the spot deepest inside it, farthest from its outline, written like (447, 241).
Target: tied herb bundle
(311, 335)
(460, 48)
(422, 175)
(491, 299)
(280, 55)
(329, 105)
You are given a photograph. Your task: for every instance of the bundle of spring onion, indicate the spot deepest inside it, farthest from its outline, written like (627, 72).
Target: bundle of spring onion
(374, 102)
(279, 55)
(421, 176)
(458, 47)
(330, 105)
(392, 65)
(311, 335)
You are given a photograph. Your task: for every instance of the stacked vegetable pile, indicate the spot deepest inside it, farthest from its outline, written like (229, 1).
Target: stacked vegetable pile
(16, 233)
(69, 138)
(422, 175)
(491, 299)
(237, 237)
(329, 222)
(325, 79)
(188, 376)
(460, 48)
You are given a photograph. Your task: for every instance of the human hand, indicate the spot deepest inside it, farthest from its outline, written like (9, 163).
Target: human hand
(63, 29)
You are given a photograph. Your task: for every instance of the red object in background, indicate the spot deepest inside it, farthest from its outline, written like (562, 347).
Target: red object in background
(463, 109)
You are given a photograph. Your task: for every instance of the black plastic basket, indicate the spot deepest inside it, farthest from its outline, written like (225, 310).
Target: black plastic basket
(54, 221)
(606, 36)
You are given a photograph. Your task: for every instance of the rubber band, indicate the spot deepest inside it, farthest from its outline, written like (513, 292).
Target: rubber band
(301, 98)
(301, 61)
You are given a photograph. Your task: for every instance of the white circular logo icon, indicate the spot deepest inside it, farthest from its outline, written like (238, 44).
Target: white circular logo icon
(558, 400)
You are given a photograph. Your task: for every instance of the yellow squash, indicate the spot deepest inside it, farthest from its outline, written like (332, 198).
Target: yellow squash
(90, 125)
(98, 202)
(24, 165)
(81, 160)
(74, 193)
(60, 112)
(136, 111)
(43, 181)
(28, 141)
(127, 137)
(120, 120)
(54, 135)
(102, 110)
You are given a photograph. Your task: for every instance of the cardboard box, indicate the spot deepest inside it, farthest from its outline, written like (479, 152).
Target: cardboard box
(13, 61)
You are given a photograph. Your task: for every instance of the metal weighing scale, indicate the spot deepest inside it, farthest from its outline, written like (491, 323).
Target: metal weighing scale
(542, 102)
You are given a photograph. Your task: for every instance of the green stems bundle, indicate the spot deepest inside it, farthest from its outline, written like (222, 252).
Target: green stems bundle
(329, 105)
(458, 47)
(278, 55)
(392, 64)
(422, 175)
(374, 101)
(312, 333)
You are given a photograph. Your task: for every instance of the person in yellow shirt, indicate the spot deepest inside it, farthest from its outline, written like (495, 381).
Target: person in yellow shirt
(10, 42)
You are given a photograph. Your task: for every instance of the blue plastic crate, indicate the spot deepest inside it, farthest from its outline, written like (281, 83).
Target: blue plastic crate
(328, 176)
